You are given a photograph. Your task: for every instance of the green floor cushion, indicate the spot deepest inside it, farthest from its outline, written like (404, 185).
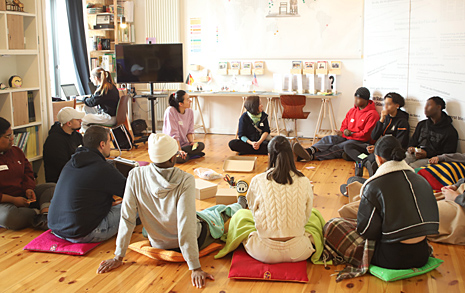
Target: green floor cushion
(389, 275)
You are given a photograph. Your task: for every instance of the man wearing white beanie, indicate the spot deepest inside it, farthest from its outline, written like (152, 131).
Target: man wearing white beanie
(164, 197)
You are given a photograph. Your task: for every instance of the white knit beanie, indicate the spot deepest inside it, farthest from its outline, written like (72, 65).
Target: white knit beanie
(162, 147)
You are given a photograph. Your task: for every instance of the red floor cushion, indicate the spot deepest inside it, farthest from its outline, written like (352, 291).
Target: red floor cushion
(243, 266)
(47, 242)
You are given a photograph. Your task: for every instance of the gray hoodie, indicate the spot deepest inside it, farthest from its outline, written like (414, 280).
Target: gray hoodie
(453, 157)
(165, 201)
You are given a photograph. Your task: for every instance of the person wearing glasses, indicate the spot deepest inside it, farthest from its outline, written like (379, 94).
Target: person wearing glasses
(22, 203)
(355, 130)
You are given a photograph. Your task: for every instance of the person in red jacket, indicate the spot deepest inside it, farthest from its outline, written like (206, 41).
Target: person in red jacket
(355, 129)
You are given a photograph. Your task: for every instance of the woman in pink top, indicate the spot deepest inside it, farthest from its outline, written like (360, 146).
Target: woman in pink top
(178, 123)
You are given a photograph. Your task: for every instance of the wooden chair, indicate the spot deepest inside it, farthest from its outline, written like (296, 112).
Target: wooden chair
(293, 109)
(57, 106)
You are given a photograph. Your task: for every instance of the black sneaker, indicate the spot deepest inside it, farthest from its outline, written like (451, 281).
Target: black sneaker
(343, 189)
(40, 222)
(346, 157)
(301, 153)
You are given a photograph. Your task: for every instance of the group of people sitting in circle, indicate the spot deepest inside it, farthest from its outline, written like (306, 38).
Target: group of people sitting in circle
(81, 208)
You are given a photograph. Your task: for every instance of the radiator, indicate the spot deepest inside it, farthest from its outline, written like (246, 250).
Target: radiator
(162, 21)
(159, 108)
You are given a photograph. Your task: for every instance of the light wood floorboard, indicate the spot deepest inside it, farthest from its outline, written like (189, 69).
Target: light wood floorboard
(44, 272)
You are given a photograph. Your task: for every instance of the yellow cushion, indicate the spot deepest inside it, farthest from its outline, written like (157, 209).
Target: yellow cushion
(144, 248)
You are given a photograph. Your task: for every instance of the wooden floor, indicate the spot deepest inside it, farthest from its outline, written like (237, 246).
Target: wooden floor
(44, 272)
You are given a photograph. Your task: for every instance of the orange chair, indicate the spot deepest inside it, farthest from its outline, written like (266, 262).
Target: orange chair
(293, 109)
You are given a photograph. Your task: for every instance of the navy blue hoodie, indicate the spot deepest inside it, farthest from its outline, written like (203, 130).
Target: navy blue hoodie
(84, 194)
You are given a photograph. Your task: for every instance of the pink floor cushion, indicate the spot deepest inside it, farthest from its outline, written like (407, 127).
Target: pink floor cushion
(245, 267)
(47, 242)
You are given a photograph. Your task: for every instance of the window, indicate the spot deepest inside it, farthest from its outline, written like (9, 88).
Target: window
(61, 59)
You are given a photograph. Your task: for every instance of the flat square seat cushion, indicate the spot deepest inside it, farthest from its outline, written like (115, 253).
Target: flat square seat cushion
(243, 266)
(144, 248)
(47, 242)
(389, 275)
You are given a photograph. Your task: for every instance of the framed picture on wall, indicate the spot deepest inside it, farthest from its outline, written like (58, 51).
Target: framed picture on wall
(335, 67)
(296, 64)
(309, 65)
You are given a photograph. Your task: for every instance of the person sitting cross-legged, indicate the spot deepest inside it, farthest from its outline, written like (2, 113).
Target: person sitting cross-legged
(20, 197)
(254, 130)
(433, 136)
(164, 198)
(83, 209)
(355, 130)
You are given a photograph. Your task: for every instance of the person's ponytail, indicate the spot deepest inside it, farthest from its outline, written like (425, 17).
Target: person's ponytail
(398, 154)
(281, 160)
(176, 98)
(390, 149)
(106, 81)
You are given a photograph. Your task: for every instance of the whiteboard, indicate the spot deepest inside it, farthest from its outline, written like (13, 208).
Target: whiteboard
(240, 29)
(417, 48)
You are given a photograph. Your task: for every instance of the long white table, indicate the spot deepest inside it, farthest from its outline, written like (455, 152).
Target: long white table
(273, 108)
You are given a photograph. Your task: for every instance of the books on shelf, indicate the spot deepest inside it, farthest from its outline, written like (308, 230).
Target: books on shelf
(107, 62)
(30, 106)
(27, 140)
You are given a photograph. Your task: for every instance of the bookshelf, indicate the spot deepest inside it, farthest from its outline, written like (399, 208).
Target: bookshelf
(101, 56)
(22, 53)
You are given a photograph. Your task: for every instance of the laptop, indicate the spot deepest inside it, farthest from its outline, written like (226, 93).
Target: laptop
(70, 90)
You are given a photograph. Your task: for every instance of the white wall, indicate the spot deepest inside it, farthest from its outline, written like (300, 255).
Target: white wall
(221, 113)
(416, 48)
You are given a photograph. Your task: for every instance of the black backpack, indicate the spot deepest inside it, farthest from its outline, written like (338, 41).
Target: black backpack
(138, 126)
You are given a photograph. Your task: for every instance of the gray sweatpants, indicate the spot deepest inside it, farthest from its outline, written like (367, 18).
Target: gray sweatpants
(14, 218)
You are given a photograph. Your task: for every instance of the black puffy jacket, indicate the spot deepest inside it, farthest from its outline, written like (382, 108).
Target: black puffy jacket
(396, 205)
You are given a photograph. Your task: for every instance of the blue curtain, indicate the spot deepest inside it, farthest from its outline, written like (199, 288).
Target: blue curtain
(77, 34)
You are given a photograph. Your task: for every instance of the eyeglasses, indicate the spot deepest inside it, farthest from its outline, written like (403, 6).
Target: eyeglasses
(8, 136)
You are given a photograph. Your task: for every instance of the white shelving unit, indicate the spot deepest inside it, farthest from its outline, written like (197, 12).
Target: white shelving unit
(21, 53)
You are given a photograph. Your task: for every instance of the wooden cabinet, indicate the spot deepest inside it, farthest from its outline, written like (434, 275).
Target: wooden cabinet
(2, 5)
(15, 32)
(20, 108)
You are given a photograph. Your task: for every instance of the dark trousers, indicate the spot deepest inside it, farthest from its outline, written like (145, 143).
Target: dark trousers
(354, 148)
(191, 153)
(331, 147)
(243, 148)
(14, 218)
(400, 255)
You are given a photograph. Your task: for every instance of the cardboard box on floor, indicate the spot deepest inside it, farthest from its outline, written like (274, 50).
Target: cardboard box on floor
(204, 189)
(239, 164)
(226, 196)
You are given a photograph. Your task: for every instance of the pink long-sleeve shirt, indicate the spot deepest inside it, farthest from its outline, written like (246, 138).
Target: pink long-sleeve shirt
(178, 125)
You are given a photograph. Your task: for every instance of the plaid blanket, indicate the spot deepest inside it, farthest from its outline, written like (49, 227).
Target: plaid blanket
(345, 246)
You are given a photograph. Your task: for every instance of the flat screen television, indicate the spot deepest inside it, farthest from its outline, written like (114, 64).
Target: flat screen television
(149, 63)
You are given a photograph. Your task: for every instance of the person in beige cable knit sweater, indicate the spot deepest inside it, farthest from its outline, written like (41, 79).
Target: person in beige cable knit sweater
(281, 201)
